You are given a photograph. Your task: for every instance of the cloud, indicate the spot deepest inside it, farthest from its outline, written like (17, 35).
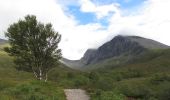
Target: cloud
(75, 38)
(80, 38)
(45, 10)
(150, 19)
(100, 10)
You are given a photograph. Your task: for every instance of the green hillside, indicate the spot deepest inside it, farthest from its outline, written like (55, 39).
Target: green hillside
(20, 85)
(111, 62)
(146, 77)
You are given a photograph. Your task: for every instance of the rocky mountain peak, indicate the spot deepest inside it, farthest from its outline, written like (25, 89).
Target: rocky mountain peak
(118, 46)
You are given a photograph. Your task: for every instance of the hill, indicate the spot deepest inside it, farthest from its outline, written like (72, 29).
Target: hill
(145, 76)
(3, 41)
(20, 85)
(118, 48)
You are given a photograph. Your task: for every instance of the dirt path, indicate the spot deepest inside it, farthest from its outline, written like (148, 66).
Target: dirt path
(76, 94)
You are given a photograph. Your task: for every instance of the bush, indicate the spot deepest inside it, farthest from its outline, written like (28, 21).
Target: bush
(80, 81)
(163, 92)
(118, 77)
(132, 73)
(158, 78)
(136, 91)
(70, 75)
(54, 76)
(34, 91)
(109, 95)
(4, 84)
(104, 84)
(93, 76)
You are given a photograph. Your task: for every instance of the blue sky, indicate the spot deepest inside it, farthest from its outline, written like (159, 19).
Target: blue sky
(90, 17)
(86, 24)
(82, 17)
(125, 4)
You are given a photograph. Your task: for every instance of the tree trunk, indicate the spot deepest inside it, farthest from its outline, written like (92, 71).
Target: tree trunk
(40, 74)
(35, 74)
(46, 77)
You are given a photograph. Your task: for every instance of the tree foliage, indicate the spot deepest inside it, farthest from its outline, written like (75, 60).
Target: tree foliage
(34, 46)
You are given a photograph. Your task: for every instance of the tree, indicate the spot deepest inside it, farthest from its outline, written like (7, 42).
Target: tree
(34, 46)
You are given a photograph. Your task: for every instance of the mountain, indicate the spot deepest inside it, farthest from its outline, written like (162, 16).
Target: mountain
(145, 78)
(148, 43)
(72, 63)
(2, 41)
(129, 46)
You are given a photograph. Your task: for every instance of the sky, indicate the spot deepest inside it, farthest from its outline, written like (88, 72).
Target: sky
(86, 24)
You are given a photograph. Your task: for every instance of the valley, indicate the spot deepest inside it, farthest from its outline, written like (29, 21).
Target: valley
(118, 70)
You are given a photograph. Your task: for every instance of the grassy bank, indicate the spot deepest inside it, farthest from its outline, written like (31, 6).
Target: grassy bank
(145, 78)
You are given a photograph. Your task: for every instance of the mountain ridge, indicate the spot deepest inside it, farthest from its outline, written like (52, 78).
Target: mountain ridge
(3, 41)
(118, 46)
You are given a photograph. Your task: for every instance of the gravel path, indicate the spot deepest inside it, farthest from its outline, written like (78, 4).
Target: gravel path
(76, 94)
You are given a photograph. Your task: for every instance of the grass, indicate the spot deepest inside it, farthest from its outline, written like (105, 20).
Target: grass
(2, 45)
(146, 77)
(20, 85)
(33, 90)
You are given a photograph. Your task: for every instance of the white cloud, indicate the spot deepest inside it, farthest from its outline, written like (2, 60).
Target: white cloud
(81, 37)
(45, 10)
(100, 10)
(151, 20)
(75, 38)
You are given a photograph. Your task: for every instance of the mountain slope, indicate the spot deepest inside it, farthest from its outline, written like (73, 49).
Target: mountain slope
(145, 78)
(3, 41)
(117, 48)
(21, 85)
(148, 43)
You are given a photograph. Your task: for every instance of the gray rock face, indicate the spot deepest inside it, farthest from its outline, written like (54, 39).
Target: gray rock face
(148, 43)
(119, 45)
(89, 55)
